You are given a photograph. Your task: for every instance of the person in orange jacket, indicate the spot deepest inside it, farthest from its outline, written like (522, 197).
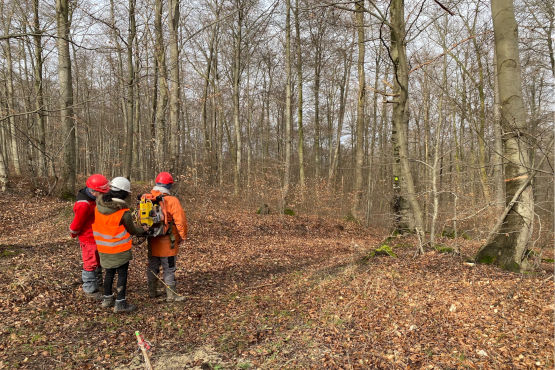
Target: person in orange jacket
(80, 227)
(163, 249)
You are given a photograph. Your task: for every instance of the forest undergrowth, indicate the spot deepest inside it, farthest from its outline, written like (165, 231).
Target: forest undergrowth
(269, 291)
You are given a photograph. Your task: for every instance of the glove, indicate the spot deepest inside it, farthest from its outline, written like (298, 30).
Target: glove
(73, 234)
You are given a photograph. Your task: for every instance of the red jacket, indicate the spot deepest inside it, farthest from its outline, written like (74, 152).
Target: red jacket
(83, 218)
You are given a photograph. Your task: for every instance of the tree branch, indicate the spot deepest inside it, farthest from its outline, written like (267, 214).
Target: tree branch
(444, 7)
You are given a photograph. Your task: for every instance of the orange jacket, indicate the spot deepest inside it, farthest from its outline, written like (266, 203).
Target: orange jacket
(162, 246)
(109, 235)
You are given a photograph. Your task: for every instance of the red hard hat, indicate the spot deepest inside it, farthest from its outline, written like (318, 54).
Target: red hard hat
(164, 178)
(98, 182)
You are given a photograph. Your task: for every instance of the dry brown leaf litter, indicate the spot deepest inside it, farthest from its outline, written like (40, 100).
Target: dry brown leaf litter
(268, 292)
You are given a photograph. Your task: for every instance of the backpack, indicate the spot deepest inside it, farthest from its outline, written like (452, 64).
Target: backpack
(152, 213)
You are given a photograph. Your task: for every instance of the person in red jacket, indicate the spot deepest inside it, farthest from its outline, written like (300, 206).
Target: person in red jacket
(81, 227)
(163, 249)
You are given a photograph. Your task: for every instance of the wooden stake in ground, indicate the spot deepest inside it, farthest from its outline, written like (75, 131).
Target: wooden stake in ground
(142, 346)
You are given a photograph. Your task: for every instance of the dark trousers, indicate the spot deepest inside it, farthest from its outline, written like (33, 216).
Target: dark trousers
(121, 285)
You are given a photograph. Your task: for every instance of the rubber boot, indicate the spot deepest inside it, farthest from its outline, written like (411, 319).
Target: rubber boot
(89, 283)
(122, 306)
(153, 291)
(172, 296)
(107, 301)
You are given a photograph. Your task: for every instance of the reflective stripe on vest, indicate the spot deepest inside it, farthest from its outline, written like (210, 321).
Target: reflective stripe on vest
(109, 235)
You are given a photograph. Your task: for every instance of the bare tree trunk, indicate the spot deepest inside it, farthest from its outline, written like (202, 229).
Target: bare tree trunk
(317, 72)
(300, 145)
(287, 168)
(435, 166)
(10, 98)
(507, 243)
(343, 93)
(3, 173)
(498, 143)
(208, 146)
(237, 40)
(3, 161)
(162, 97)
(130, 100)
(174, 78)
(248, 110)
(63, 23)
(218, 118)
(39, 99)
(139, 160)
(407, 209)
(371, 172)
(359, 147)
(481, 128)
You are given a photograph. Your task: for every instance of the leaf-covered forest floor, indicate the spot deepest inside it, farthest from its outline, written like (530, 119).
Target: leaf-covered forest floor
(269, 292)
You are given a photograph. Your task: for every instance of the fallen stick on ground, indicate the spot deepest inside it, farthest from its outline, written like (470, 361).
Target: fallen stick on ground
(143, 348)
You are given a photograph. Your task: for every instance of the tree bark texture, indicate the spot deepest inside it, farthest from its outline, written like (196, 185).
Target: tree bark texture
(408, 215)
(175, 129)
(300, 144)
(39, 97)
(287, 168)
(237, 41)
(63, 23)
(130, 93)
(359, 136)
(162, 96)
(507, 245)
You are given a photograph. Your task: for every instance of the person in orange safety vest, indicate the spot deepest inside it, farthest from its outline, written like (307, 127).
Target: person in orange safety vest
(113, 228)
(163, 249)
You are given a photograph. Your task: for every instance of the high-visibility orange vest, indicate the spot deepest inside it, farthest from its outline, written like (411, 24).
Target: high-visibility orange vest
(109, 235)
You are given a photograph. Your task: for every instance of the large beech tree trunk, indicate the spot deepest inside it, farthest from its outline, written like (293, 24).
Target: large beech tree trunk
(63, 22)
(506, 245)
(407, 210)
(175, 129)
